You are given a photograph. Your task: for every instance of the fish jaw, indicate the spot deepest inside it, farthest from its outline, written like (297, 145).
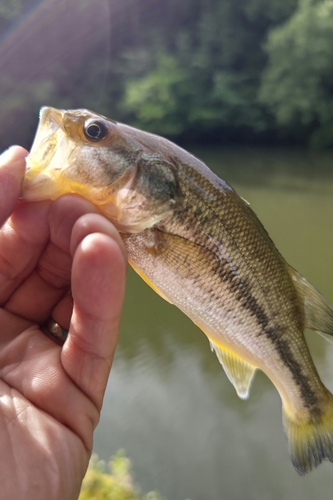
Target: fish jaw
(48, 158)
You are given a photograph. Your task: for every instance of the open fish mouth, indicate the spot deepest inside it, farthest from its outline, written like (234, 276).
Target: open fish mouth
(48, 156)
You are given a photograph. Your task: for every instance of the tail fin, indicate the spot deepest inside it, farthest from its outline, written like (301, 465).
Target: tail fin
(310, 441)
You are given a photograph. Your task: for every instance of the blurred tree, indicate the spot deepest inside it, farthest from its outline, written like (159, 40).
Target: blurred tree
(203, 77)
(155, 99)
(298, 81)
(20, 108)
(9, 10)
(51, 53)
(200, 70)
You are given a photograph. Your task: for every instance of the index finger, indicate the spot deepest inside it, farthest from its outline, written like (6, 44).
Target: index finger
(24, 235)
(12, 168)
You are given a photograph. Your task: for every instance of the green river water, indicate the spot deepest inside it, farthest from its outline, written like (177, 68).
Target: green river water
(169, 403)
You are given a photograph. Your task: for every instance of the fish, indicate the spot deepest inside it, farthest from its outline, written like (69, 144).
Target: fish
(200, 246)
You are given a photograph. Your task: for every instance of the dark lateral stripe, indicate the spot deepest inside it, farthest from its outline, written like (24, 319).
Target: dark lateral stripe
(309, 397)
(242, 292)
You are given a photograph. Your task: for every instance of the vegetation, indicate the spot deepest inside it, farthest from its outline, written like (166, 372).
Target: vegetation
(195, 70)
(297, 83)
(116, 484)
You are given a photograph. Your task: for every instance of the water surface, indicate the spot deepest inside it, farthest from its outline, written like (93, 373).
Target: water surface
(169, 403)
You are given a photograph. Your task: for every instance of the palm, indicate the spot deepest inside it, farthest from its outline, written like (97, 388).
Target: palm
(41, 448)
(50, 395)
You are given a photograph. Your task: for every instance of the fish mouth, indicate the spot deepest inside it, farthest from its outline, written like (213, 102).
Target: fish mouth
(48, 156)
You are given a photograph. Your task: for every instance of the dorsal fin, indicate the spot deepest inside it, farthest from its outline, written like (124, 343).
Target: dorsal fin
(238, 371)
(318, 314)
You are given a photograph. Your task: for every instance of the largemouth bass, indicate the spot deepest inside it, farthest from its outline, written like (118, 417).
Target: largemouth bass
(201, 247)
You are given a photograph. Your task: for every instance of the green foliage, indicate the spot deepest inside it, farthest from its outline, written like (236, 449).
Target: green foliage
(213, 69)
(20, 106)
(298, 81)
(154, 100)
(205, 74)
(267, 11)
(116, 484)
(10, 9)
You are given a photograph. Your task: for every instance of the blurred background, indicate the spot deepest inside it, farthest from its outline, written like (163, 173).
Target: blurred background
(207, 71)
(247, 86)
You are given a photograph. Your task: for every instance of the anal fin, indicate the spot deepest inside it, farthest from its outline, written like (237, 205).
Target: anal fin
(239, 372)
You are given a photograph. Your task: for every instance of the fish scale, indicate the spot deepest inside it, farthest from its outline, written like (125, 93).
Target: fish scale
(216, 278)
(201, 247)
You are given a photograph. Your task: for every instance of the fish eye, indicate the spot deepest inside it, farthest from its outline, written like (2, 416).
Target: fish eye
(95, 130)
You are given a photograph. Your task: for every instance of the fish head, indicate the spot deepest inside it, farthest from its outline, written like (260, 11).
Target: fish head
(118, 168)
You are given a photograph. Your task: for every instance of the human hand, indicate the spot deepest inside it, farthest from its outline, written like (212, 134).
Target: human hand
(51, 396)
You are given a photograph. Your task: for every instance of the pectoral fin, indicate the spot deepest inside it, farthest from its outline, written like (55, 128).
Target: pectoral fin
(183, 257)
(238, 371)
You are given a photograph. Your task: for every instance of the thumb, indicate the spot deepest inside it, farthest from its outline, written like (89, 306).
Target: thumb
(98, 285)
